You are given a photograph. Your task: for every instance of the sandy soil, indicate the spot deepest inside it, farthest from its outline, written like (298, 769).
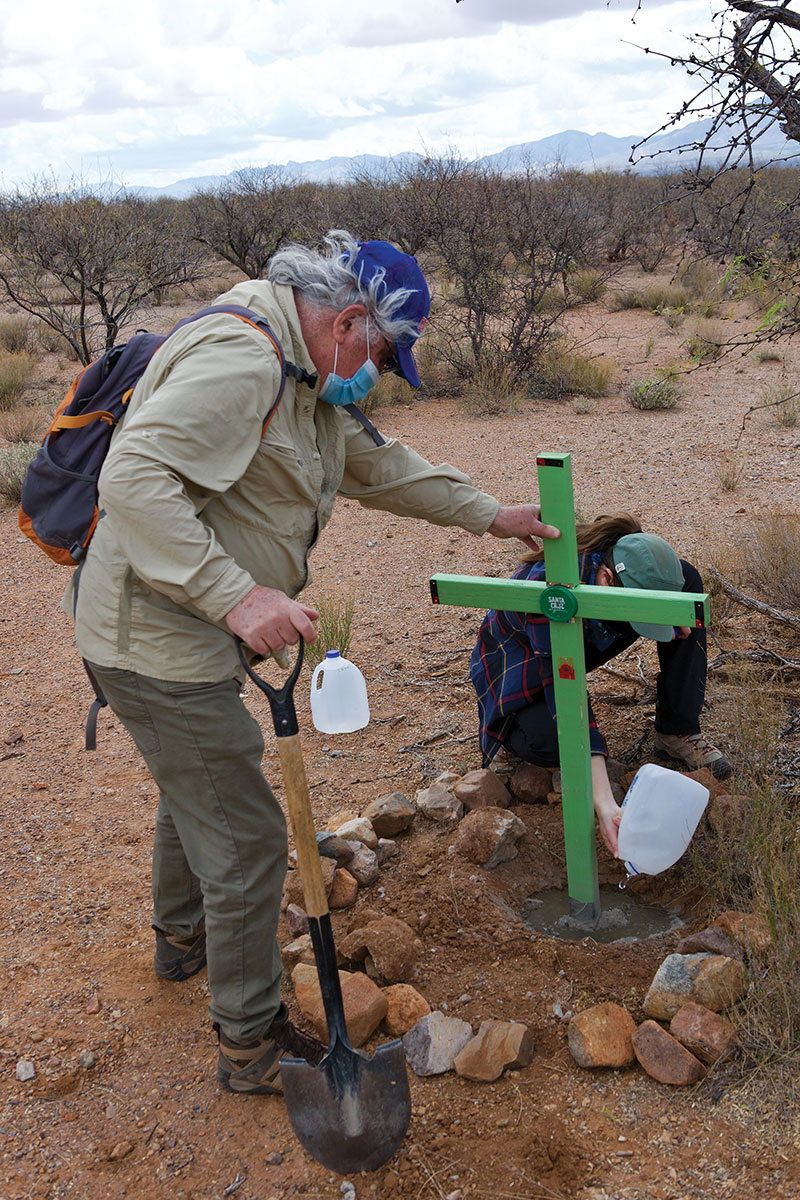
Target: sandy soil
(147, 1120)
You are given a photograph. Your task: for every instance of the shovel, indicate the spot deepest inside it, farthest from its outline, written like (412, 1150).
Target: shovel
(351, 1112)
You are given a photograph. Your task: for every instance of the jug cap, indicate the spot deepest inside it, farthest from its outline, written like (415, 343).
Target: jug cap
(332, 654)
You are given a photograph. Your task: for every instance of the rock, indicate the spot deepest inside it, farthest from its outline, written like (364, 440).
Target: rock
(709, 979)
(406, 1006)
(299, 950)
(601, 1036)
(330, 845)
(715, 786)
(727, 814)
(392, 945)
(665, 1058)
(438, 803)
(497, 1046)
(344, 892)
(432, 1045)
(339, 818)
(274, 1160)
(390, 814)
(481, 789)
(748, 930)
(359, 830)
(489, 836)
(93, 1005)
(386, 850)
(25, 1070)
(293, 886)
(297, 920)
(363, 866)
(364, 1003)
(709, 941)
(554, 797)
(120, 1150)
(706, 1034)
(557, 782)
(87, 1059)
(530, 784)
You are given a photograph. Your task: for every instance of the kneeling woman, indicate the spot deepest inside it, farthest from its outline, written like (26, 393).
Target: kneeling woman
(512, 672)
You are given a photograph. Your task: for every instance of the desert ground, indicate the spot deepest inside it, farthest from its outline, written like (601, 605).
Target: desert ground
(146, 1119)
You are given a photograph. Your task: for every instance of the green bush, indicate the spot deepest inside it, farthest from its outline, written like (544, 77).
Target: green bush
(14, 462)
(657, 391)
(334, 629)
(562, 372)
(587, 285)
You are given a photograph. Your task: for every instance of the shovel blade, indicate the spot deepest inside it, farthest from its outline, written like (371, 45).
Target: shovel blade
(351, 1112)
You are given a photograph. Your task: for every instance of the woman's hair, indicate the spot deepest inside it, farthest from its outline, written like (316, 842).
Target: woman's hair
(599, 535)
(327, 280)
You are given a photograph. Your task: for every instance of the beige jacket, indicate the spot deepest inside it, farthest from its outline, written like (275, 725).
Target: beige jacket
(199, 507)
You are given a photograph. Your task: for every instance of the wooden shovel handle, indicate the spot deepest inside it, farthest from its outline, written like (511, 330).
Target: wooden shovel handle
(299, 805)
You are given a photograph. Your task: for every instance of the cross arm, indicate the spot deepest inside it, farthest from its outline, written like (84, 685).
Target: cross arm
(603, 603)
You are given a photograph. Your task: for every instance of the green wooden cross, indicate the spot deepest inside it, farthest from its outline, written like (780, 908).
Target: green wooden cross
(566, 602)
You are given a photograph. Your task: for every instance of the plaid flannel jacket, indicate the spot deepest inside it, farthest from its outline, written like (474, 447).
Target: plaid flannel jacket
(511, 665)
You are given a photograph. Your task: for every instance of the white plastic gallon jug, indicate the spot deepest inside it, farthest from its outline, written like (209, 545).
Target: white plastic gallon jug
(338, 695)
(660, 813)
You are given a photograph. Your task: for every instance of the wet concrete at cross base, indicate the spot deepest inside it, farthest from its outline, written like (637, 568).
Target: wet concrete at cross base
(622, 918)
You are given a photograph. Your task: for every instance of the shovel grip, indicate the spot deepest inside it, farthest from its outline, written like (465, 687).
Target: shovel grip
(299, 806)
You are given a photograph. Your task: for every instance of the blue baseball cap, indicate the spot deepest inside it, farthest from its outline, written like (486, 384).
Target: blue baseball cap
(399, 271)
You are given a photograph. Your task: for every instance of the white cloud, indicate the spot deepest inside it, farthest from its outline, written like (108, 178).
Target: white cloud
(170, 88)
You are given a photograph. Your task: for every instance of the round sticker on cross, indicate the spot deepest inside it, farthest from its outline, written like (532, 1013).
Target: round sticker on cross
(559, 603)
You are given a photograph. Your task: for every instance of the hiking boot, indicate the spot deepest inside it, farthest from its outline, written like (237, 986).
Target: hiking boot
(254, 1067)
(504, 762)
(179, 958)
(694, 751)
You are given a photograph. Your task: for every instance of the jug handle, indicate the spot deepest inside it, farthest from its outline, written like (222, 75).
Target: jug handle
(281, 700)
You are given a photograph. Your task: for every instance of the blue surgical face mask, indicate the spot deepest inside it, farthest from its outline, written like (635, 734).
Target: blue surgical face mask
(336, 390)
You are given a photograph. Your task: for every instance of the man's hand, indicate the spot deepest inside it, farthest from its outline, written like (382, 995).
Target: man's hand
(268, 620)
(522, 521)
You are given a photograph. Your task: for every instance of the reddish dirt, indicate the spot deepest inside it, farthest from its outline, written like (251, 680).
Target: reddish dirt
(147, 1120)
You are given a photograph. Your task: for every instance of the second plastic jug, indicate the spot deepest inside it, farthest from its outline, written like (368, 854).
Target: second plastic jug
(338, 695)
(660, 813)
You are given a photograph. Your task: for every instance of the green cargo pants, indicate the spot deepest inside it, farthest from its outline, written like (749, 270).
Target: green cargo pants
(220, 835)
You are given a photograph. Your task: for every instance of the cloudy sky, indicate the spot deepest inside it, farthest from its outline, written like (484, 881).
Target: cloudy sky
(160, 90)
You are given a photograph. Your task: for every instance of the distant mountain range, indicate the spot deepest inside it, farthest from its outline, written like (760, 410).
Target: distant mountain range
(570, 148)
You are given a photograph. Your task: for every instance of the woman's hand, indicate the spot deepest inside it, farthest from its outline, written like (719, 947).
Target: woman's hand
(522, 521)
(609, 813)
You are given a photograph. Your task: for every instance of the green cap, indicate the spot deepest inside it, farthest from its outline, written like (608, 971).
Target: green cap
(643, 560)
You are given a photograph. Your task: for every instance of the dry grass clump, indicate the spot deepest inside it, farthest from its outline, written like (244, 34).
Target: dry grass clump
(707, 342)
(492, 390)
(23, 424)
(665, 295)
(772, 558)
(701, 279)
(717, 558)
(659, 391)
(14, 461)
(334, 629)
(563, 372)
(15, 333)
(587, 285)
(625, 299)
(729, 468)
(782, 400)
(16, 371)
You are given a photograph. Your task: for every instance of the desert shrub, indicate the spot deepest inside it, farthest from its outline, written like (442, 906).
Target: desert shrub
(701, 278)
(583, 406)
(729, 468)
(587, 285)
(627, 298)
(659, 391)
(666, 295)
(767, 354)
(436, 372)
(15, 333)
(23, 424)
(334, 629)
(782, 402)
(707, 342)
(561, 371)
(389, 390)
(773, 558)
(674, 317)
(492, 390)
(15, 374)
(14, 462)
(717, 560)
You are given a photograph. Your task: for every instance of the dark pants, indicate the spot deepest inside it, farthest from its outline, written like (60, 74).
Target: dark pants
(680, 689)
